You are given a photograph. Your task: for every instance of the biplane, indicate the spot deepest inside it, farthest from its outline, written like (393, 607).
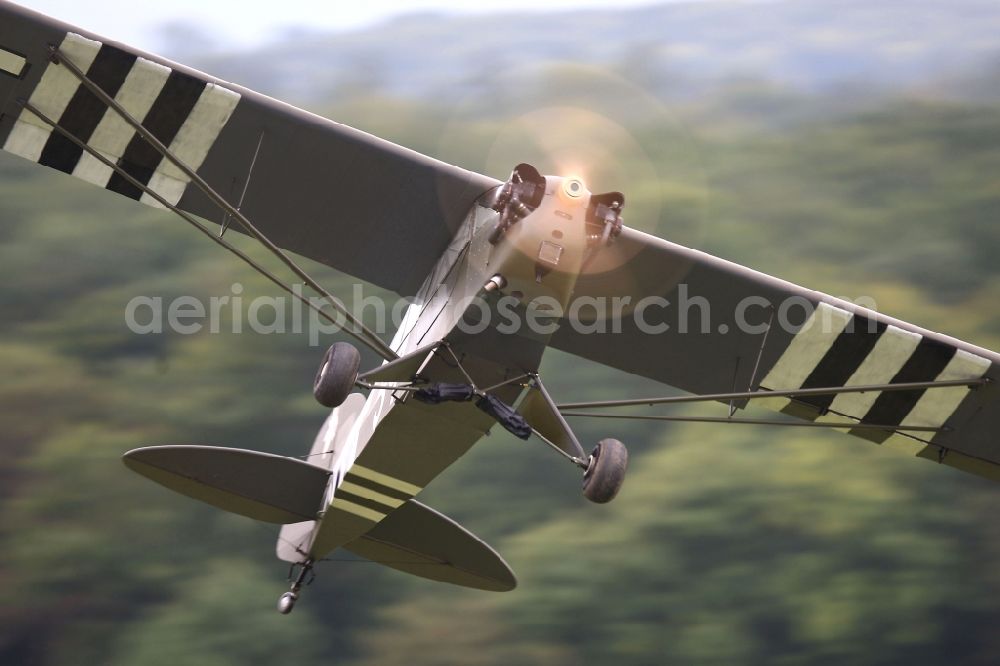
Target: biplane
(472, 253)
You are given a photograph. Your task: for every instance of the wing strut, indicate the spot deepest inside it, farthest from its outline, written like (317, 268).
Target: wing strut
(566, 409)
(774, 422)
(793, 393)
(362, 334)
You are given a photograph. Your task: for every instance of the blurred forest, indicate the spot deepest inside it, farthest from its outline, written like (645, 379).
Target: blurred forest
(727, 545)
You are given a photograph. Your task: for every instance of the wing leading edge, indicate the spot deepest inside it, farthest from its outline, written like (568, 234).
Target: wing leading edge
(349, 200)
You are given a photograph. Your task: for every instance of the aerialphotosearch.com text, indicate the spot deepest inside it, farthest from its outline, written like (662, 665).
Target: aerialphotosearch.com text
(653, 315)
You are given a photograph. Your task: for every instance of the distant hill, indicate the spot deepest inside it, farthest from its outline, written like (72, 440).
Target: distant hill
(674, 49)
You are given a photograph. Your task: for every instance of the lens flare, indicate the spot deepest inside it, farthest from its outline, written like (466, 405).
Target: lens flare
(608, 133)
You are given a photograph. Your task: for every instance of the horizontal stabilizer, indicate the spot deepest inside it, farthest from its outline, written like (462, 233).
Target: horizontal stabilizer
(262, 486)
(418, 540)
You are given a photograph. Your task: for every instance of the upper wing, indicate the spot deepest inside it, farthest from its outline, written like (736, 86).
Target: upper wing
(718, 341)
(326, 191)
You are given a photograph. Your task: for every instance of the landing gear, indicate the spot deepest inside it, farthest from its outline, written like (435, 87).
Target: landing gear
(286, 602)
(605, 472)
(539, 415)
(603, 469)
(336, 375)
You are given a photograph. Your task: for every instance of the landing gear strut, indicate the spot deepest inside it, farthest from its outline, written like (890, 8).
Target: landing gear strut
(603, 469)
(305, 576)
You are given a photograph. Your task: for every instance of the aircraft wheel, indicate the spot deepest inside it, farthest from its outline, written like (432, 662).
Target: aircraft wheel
(287, 602)
(606, 471)
(337, 374)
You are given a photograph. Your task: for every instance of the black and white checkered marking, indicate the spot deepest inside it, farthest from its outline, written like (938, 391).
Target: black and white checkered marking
(836, 348)
(183, 112)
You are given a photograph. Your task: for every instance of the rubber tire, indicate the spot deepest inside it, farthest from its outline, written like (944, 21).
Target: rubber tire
(606, 473)
(337, 374)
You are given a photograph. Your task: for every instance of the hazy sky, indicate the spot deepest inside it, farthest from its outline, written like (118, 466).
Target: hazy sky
(243, 22)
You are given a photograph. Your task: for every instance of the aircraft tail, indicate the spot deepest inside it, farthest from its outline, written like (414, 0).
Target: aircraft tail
(417, 540)
(413, 538)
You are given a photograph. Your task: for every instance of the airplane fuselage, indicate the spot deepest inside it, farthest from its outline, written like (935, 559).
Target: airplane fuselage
(386, 448)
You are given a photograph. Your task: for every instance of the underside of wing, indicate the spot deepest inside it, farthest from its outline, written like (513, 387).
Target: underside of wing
(349, 200)
(708, 326)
